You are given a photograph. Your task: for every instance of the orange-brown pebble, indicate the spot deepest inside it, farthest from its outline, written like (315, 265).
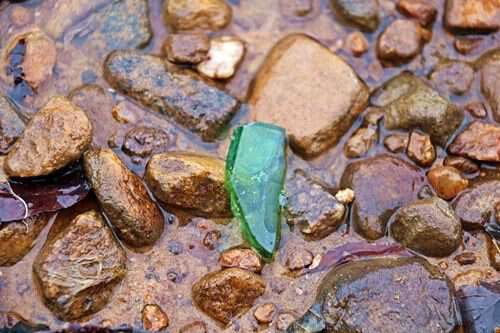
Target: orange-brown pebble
(265, 313)
(447, 181)
(153, 318)
(396, 143)
(420, 149)
(356, 42)
(241, 258)
(298, 259)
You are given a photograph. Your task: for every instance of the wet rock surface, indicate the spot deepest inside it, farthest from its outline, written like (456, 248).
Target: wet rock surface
(316, 101)
(11, 125)
(189, 181)
(447, 181)
(57, 135)
(241, 258)
(264, 313)
(423, 11)
(79, 266)
(479, 141)
(362, 13)
(401, 41)
(197, 14)
(225, 294)
(143, 141)
(490, 81)
(472, 16)
(398, 288)
(420, 149)
(313, 209)
(453, 78)
(409, 103)
(428, 226)
(461, 163)
(123, 198)
(186, 48)
(18, 238)
(382, 184)
(192, 103)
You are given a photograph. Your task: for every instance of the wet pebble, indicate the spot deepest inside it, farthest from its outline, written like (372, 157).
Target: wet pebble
(447, 181)
(396, 143)
(298, 258)
(241, 258)
(453, 78)
(478, 141)
(361, 142)
(356, 43)
(466, 258)
(423, 11)
(476, 109)
(197, 14)
(264, 313)
(154, 319)
(401, 41)
(472, 16)
(362, 13)
(420, 149)
(186, 48)
(463, 164)
(224, 56)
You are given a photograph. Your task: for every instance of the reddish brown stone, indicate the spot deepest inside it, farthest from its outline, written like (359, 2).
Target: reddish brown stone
(420, 149)
(479, 141)
(421, 10)
(447, 181)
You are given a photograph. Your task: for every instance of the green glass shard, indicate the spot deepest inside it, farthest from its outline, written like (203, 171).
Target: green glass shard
(255, 173)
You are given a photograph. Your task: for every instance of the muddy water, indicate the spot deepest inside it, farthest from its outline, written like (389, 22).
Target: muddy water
(164, 274)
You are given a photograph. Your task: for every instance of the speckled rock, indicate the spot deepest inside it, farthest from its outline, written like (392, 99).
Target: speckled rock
(11, 126)
(197, 14)
(400, 42)
(189, 181)
(57, 135)
(313, 209)
(362, 13)
(186, 48)
(225, 294)
(123, 198)
(192, 103)
(79, 266)
(479, 141)
(316, 101)
(472, 15)
(427, 226)
(382, 184)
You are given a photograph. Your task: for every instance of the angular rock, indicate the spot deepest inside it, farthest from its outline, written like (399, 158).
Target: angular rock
(264, 313)
(197, 14)
(18, 238)
(79, 266)
(241, 258)
(192, 103)
(479, 141)
(461, 163)
(420, 149)
(423, 11)
(143, 141)
(224, 56)
(476, 205)
(428, 226)
(472, 16)
(11, 126)
(186, 48)
(453, 78)
(396, 143)
(226, 294)
(383, 295)
(57, 135)
(400, 42)
(154, 318)
(356, 42)
(316, 101)
(447, 181)
(189, 181)
(409, 103)
(361, 142)
(313, 209)
(382, 184)
(123, 198)
(490, 81)
(362, 13)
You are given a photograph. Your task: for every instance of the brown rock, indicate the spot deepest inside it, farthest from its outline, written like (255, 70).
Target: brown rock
(361, 142)
(153, 318)
(11, 126)
(472, 15)
(241, 258)
(123, 198)
(57, 135)
(453, 78)
(396, 143)
(428, 226)
(490, 81)
(356, 42)
(194, 327)
(284, 320)
(420, 149)
(423, 11)
(189, 181)
(447, 181)
(197, 14)
(461, 163)
(466, 258)
(401, 41)
(316, 100)
(79, 266)
(18, 238)
(211, 239)
(314, 210)
(493, 247)
(226, 294)
(373, 116)
(264, 313)
(476, 109)
(382, 184)
(298, 258)
(186, 48)
(361, 13)
(466, 45)
(143, 141)
(479, 141)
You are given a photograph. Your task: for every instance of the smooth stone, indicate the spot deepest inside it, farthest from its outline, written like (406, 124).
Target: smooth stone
(197, 14)
(361, 13)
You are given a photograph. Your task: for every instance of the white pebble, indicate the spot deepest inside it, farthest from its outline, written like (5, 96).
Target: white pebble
(345, 196)
(224, 56)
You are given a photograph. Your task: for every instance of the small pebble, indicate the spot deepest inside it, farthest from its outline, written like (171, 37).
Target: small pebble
(299, 258)
(373, 116)
(153, 318)
(211, 239)
(420, 149)
(476, 109)
(186, 48)
(242, 258)
(466, 258)
(20, 16)
(224, 56)
(284, 320)
(361, 142)
(264, 313)
(461, 163)
(421, 10)
(466, 45)
(345, 196)
(356, 42)
(396, 143)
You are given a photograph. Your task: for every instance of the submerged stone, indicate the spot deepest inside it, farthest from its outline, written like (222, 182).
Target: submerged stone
(255, 172)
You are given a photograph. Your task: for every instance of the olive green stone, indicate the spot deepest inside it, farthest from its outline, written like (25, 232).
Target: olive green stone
(255, 173)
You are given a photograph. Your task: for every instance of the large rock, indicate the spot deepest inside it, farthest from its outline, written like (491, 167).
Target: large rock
(123, 198)
(309, 91)
(427, 226)
(11, 126)
(225, 294)
(79, 266)
(409, 103)
(490, 81)
(472, 15)
(479, 141)
(189, 181)
(57, 135)
(197, 14)
(382, 184)
(18, 238)
(192, 103)
(362, 13)
(384, 295)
